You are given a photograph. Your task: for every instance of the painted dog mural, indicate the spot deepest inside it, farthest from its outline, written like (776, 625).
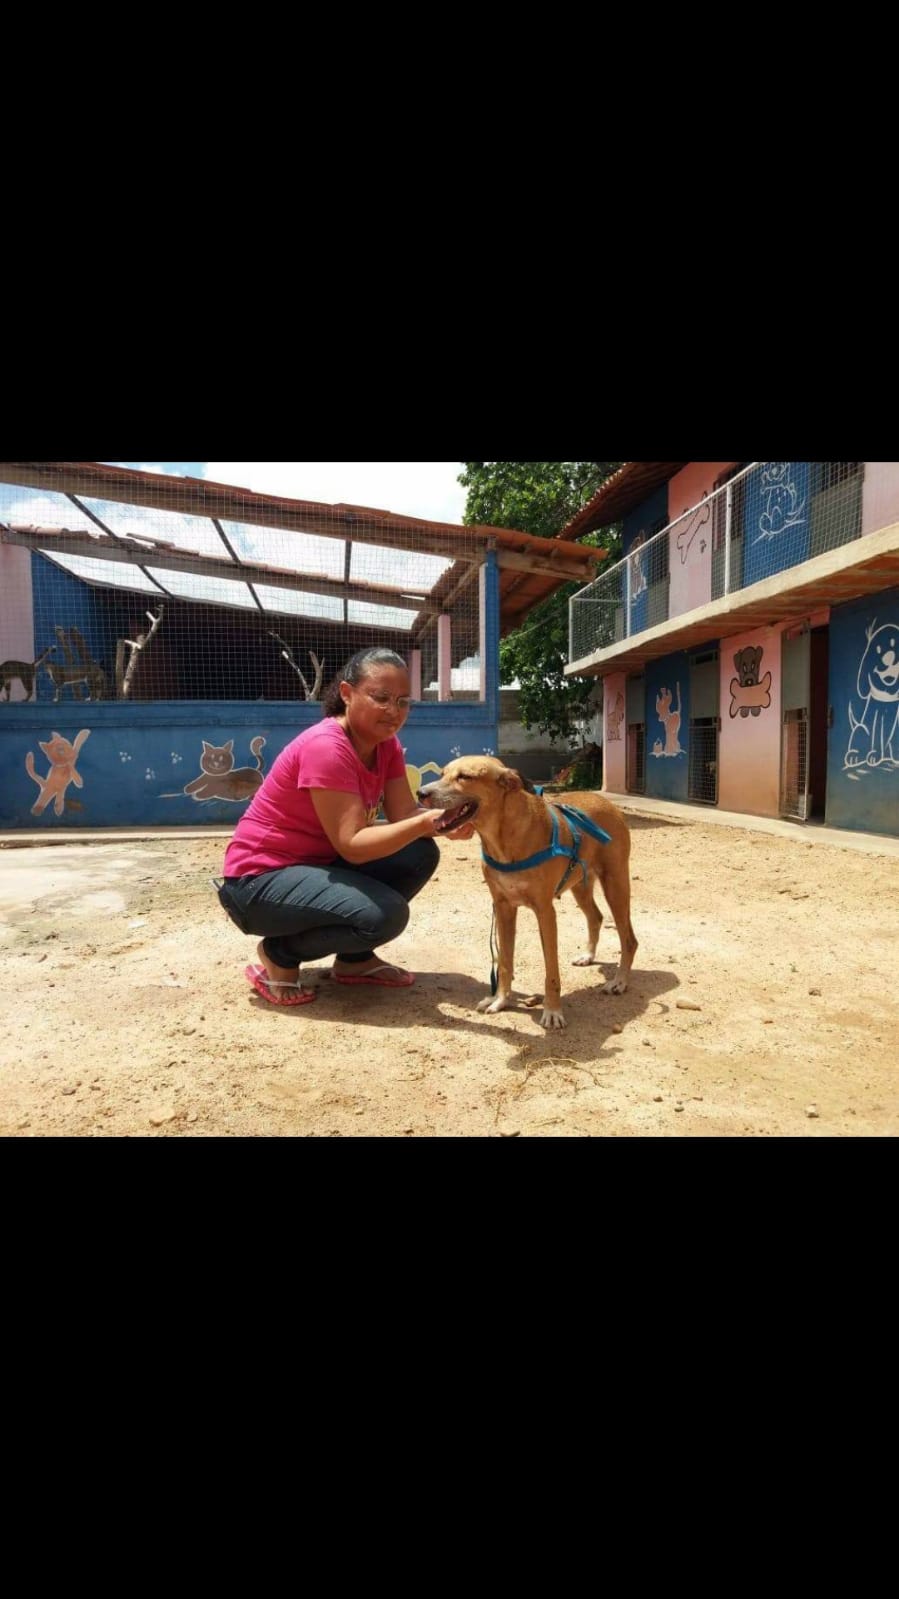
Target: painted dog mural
(749, 694)
(874, 720)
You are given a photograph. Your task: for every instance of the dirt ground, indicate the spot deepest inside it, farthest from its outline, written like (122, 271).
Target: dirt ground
(763, 1003)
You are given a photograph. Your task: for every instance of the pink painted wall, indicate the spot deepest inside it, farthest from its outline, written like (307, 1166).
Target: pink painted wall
(415, 674)
(690, 556)
(16, 623)
(880, 495)
(749, 746)
(614, 732)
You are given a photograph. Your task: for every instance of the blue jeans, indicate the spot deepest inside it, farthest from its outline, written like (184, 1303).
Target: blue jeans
(305, 912)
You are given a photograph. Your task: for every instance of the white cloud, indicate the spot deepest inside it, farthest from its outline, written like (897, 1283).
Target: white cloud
(426, 489)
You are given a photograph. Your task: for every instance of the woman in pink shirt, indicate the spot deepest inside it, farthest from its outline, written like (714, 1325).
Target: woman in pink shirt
(308, 867)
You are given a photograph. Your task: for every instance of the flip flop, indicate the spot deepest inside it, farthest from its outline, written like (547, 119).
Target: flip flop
(293, 993)
(402, 979)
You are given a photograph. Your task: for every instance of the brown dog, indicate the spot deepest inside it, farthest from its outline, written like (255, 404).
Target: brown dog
(514, 824)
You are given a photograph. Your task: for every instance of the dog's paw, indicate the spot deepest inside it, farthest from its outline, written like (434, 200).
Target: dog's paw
(585, 960)
(616, 985)
(490, 1005)
(552, 1018)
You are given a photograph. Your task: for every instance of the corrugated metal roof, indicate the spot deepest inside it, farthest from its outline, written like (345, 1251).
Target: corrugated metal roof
(531, 568)
(634, 482)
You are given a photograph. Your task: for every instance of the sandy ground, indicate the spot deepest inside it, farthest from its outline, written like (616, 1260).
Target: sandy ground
(763, 1003)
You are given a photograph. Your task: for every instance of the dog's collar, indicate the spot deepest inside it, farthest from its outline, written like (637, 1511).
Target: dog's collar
(576, 821)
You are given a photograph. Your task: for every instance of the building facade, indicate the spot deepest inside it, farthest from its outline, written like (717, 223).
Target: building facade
(748, 641)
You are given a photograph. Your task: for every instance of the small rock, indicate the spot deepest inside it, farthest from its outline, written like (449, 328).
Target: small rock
(812, 1112)
(657, 1099)
(678, 1107)
(516, 1133)
(617, 1027)
(687, 1004)
(815, 991)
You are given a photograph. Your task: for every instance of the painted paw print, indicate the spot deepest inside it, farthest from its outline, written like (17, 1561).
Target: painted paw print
(488, 750)
(150, 774)
(124, 756)
(456, 751)
(176, 758)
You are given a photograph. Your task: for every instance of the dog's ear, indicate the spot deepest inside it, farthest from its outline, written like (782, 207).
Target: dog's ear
(510, 779)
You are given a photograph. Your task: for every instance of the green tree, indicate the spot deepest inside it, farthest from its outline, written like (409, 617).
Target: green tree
(540, 497)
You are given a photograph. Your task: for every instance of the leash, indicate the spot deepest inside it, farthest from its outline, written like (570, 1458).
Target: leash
(577, 822)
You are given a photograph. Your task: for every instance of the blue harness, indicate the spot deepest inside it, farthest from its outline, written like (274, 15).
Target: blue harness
(577, 822)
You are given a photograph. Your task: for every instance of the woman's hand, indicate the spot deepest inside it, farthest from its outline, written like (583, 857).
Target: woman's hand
(430, 822)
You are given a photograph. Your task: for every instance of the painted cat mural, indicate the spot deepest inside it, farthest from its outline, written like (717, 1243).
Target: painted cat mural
(62, 756)
(219, 779)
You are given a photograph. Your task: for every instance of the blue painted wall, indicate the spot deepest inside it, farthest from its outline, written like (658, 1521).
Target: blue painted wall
(775, 519)
(137, 759)
(61, 600)
(863, 747)
(636, 528)
(667, 773)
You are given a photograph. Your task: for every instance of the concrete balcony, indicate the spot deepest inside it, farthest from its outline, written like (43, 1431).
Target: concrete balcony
(864, 566)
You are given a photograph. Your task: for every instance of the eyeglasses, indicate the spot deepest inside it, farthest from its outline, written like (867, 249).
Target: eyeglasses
(401, 701)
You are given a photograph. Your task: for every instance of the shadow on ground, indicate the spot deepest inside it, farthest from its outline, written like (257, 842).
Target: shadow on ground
(640, 824)
(590, 1015)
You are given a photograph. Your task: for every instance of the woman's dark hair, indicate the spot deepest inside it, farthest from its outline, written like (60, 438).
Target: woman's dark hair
(357, 667)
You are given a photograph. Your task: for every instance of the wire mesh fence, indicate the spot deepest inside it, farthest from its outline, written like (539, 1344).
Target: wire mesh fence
(794, 765)
(635, 758)
(771, 516)
(121, 585)
(702, 782)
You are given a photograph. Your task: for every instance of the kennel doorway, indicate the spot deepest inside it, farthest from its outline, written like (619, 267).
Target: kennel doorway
(794, 748)
(635, 757)
(705, 725)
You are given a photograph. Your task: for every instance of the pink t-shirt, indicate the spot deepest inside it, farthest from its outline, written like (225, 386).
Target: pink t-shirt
(279, 826)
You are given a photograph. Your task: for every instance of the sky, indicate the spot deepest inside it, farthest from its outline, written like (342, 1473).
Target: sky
(411, 488)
